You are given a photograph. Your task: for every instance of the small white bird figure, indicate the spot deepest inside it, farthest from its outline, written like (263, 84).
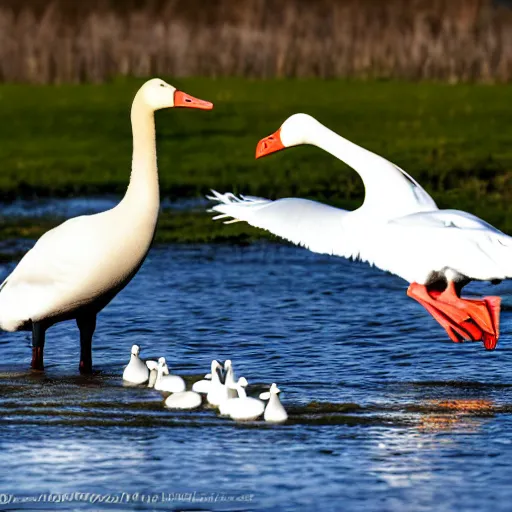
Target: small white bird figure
(152, 365)
(218, 392)
(136, 372)
(230, 379)
(274, 411)
(165, 381)
(203, 386)
(244, 407)
(152, 378)
(183, 400)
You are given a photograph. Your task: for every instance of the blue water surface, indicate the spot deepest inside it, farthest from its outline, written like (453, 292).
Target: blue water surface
(385, 412)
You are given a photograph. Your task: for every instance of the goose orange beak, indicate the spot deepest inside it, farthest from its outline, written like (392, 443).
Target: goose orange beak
(269, 144)
(182, 99)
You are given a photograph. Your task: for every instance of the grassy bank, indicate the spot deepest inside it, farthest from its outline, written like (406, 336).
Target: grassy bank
(455, 140)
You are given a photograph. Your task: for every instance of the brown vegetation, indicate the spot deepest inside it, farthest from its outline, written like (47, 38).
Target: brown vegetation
(94, 40)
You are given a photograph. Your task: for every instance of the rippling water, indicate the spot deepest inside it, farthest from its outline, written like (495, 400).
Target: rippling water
(74, 206)
(385, 412)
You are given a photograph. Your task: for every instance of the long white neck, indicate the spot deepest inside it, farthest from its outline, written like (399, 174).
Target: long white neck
(143, 196)
(382, 180)
(241, 392)
(160, 373)
(153, 375)
(215, 375)
(364, 162)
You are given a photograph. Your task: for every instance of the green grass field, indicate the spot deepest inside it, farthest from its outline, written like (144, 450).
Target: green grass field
(68, 140)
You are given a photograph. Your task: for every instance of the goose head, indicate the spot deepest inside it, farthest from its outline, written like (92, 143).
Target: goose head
(228, 369)
(274, 390)
(135, 350)
(162, 368)
(157, 94)
(296, 130)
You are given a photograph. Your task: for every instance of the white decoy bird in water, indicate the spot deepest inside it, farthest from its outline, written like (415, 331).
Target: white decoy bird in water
(165, 381)
(203, 386)
(244, 407)
(136, 372)
(183, 400)
(274, 410)
(218, 392)
(152, 365)
(398, 229)
(153, 374)
(230, 379)
(77, 268)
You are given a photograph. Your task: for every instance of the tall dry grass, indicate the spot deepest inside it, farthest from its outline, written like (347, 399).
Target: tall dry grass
(94, 40)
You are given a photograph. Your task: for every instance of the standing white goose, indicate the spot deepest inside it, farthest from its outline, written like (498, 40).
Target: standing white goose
(136, 372)
(165, 381)
(77, 268)
(274, 411)
(398, 228)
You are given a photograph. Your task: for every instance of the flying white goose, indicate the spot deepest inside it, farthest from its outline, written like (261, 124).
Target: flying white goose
(77, 268)
(274, 411)
(398, 229)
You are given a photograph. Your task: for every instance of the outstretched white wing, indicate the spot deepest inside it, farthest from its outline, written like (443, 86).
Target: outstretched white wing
(414, 247)
(419, 245)
(315, 226)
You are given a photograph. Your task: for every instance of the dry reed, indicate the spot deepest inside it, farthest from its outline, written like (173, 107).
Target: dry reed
(66, 41)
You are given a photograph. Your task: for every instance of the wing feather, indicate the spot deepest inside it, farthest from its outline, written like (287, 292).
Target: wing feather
(315, 226)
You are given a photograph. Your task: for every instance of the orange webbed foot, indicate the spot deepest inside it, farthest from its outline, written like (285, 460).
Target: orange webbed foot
(463, 319)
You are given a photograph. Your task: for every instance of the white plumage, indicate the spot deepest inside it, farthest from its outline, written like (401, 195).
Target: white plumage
(274, 410)
(136, 372)
(398, 228)
(75, 269)
(166, 382)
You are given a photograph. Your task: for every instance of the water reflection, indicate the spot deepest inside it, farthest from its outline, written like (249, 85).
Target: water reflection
(455, 414)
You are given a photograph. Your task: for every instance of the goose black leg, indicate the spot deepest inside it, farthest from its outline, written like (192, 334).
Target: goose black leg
(38, 336)
(87, 325)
